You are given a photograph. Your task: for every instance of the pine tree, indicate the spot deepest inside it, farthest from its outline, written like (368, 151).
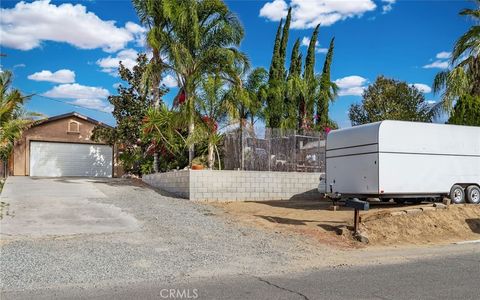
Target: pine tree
(295, 60)
(274, 93)
(309, 73)
(328, 89)
(292, 88)
(283, 47)
(277, 78)
(306, 105)
(275, 56)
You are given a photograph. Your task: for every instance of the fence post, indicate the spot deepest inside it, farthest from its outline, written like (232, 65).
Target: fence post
(269, 148)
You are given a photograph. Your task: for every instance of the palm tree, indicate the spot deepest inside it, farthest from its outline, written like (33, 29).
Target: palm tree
(464, 76)
(212, 112)
(200, 37)
(246, 98)
(162, 126)
(151, 14)
(13, 119)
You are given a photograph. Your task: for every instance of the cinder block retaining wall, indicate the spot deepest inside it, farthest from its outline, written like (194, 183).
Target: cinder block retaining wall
(208, 185)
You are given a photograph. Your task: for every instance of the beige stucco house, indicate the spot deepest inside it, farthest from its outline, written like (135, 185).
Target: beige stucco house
(62, 146)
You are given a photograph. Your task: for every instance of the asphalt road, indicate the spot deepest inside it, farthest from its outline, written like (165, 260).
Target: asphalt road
(448, 277)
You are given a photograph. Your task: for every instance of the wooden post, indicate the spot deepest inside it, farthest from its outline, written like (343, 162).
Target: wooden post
(356, 220)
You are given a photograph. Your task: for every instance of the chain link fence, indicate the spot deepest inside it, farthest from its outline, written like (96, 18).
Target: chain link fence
(274, 149)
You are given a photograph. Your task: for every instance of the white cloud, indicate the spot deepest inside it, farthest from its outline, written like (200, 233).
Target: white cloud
(438, 64)
(306, 42)
(351, 85)
(110, 64)
(307, 14)
(85, 96)
(77, 91)
(443, 55)
(422, 87)
(26, 25)
(96, 104)
(387, 5)
(60, 76)
(441, 61)
(321, 50)
(275, 10)
(138, 32)
(169, 81)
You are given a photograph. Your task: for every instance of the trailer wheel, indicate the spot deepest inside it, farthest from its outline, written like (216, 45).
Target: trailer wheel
(399, 200)
(473, 194)
(457, 194)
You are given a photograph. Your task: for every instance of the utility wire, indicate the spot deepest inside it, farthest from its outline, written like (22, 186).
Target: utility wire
(68, 103)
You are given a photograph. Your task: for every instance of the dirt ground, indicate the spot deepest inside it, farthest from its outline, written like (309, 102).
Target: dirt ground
(313, 219)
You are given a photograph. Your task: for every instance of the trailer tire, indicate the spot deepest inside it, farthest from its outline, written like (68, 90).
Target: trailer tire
(399, 200)
(457, 194)
(473, 194)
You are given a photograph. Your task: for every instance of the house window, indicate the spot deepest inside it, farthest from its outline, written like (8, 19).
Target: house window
(73, 127)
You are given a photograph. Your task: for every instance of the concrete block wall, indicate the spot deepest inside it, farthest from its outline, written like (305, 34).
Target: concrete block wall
(213, 185)
(175, 182)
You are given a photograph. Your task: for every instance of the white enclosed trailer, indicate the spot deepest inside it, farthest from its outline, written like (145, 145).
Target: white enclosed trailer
(404, 160)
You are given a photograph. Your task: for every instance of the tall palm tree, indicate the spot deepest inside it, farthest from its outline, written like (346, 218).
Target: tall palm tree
(463, 78)
(201, 38)
(152, 15)
(13, 119)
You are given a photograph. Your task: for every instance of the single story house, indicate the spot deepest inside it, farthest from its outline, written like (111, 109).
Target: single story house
(62, 146)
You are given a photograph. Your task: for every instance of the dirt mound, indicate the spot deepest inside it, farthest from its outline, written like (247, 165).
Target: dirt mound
(458, 222)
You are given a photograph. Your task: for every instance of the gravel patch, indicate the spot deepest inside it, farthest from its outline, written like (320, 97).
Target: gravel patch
(178, 239)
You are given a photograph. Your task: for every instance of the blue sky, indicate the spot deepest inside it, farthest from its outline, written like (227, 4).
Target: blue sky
(66, 51)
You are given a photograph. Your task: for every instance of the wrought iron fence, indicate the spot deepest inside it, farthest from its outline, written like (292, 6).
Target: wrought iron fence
(274, 149)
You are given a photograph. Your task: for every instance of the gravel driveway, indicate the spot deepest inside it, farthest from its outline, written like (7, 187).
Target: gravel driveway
(176, 239)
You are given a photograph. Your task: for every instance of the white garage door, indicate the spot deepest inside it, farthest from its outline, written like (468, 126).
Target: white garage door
(67, 159)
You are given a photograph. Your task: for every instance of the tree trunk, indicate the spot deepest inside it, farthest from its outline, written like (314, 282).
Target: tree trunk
(191, 129)
(155, 162)
(156, 99)
(211, 156)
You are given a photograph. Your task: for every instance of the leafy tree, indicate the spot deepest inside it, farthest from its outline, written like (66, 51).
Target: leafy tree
(129, 109)
(13, 118)
(464, 76)
(328, 90)
(466, 111)
(389, 99)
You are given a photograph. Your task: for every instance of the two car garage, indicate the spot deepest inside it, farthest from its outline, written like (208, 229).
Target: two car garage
(49, 159)
(62, 146)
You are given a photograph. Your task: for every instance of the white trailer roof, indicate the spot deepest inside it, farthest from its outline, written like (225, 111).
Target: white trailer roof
(354, 136)
(409, 137)
(428, 138)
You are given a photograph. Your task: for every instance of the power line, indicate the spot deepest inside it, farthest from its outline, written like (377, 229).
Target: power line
(69, 103)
